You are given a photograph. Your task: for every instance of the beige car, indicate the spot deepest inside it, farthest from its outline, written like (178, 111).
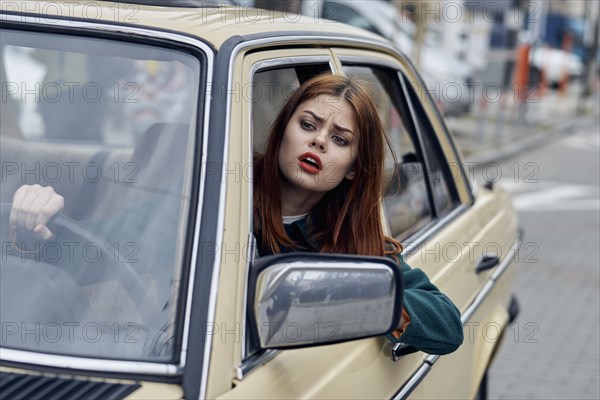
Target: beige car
(145, 119)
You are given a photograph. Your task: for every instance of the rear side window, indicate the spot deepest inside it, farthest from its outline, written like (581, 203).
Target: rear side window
(407, 206)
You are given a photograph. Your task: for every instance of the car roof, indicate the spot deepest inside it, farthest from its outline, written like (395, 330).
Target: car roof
(213, 24)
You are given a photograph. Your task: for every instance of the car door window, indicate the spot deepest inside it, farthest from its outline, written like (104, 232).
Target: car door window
(407, 206)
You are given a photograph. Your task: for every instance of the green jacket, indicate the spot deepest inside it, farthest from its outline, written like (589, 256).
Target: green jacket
(435, 326)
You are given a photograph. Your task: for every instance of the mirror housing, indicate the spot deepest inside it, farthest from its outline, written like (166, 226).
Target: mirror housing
(310, 299)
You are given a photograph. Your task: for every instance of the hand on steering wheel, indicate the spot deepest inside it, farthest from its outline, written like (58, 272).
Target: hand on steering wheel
(33, 206)
(36, 209)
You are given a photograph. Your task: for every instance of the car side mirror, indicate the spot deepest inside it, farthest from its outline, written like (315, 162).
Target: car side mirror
(311, 299)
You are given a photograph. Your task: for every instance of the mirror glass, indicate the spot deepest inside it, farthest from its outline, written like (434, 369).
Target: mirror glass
(305, 303)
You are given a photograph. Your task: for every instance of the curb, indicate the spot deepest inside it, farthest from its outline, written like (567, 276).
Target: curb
(531, 139)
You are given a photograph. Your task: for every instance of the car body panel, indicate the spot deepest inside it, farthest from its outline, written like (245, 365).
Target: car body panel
(357, 369)
(209, 23)
(483, 329)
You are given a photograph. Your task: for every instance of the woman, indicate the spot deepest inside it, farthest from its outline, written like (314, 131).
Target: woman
(318, 188)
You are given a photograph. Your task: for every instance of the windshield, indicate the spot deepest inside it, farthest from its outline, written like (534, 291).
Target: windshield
(110, 126)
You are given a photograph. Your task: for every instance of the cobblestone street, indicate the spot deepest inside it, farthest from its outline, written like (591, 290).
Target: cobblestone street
(552, 350)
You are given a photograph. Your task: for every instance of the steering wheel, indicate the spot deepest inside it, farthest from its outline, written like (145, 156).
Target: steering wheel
(82, 270)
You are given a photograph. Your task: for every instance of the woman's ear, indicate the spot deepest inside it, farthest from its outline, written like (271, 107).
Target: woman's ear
(350, 175)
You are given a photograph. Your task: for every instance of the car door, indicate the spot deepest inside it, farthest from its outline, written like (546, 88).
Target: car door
(357, 369)
(432, 216)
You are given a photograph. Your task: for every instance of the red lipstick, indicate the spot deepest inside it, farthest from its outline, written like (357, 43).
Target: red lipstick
(310, 162)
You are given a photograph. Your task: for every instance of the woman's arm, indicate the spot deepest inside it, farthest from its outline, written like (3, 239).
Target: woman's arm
(434, 321)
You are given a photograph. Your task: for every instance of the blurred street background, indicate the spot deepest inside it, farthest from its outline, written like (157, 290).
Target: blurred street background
(518, 82)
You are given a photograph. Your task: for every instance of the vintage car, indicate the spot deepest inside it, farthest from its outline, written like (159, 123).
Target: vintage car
(145, 118)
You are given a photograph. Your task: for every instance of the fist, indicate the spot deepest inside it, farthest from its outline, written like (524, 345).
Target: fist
(33, 206)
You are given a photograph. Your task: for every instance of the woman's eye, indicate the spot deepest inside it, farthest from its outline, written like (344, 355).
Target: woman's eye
(340, 140)
(306, 125)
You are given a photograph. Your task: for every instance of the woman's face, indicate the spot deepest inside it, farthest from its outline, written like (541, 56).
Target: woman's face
(319, 144)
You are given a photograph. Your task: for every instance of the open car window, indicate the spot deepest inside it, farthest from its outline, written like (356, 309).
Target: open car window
(110, 126)
(282, 81)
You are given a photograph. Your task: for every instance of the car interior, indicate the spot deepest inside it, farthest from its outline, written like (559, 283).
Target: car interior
(107, 139)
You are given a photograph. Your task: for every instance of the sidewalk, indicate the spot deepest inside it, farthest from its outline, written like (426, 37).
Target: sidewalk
(500, 129)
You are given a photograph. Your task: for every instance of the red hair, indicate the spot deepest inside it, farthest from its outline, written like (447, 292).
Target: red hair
(349, 216)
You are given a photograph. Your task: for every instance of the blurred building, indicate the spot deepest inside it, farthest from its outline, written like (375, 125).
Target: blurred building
(566, 18)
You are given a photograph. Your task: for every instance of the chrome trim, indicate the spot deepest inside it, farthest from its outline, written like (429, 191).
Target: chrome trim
(414, 380)
(483, 293)
(93, 364)
(397, 347)
(499, 270)
(324, 40)
(431, 359)
(88, 364)
(250, 256)
(236, 50)
(249, 365)
(438, 225)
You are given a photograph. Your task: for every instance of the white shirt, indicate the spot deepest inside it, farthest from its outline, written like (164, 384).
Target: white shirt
(288, 219)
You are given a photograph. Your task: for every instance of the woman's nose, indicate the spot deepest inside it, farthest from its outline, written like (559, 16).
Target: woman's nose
(319, 141)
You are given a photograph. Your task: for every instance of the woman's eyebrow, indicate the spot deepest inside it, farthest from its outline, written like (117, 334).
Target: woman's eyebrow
(321, 119)
(315, 116)
(342, 129)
